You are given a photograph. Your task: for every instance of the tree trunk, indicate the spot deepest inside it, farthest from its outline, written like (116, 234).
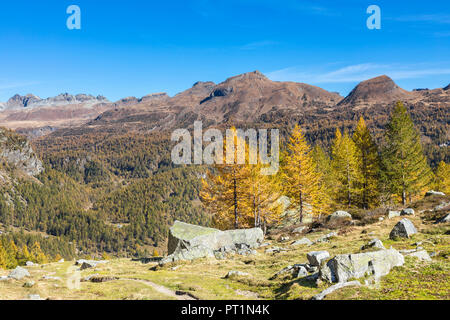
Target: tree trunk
(236, 222)
(301, 207)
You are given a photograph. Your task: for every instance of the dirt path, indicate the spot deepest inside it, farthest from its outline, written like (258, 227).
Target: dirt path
(161, 289)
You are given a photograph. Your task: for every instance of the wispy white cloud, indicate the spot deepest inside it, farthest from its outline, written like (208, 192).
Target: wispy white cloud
(13, 85)
(356, 73)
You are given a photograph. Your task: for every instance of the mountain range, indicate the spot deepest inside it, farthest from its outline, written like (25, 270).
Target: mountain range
(246, 98)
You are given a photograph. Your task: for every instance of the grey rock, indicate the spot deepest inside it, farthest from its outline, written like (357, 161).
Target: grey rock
(316, 257)
(445, 219)
(326, 237)
(403, 229)
(297, 270)
(374, 243)
(192, 253)
(310, 268)
(34, 297)
(50, 278)
(434, 193)
(275, 250)
(339, 215)
(301, 271)
(302, 241)
(335, 287)
(420, 254)
(29, 284)
(393, 214)
(285, 238)
(29, 264)
(299, 229)
(189, 242)
(407, 212)
(441, 206)
(87, 265)
(347, 266)
(19, 273)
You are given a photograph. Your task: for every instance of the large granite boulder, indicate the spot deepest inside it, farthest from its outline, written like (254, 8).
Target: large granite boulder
(185, 236)
(403, 229)
(189, 242)
(347, 266)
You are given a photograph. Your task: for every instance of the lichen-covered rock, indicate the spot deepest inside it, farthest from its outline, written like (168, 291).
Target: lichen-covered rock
(316, 257)
(302, 241)
(185, 236)
(346, 266)
(189, 242)
(192, 253)
(419, 254)
(339, 215)
(393, 214)
(374, 243)
(326, 237)
(19, 273)
(403, 229)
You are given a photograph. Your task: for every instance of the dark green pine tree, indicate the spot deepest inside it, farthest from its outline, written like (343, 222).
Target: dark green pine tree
(405, 166)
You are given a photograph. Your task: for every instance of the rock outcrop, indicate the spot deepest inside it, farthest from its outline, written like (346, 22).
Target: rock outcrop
(189, 242)
(17, 152)
(347, 266)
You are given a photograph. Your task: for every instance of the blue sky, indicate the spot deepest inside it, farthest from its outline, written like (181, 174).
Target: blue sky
(133, 48)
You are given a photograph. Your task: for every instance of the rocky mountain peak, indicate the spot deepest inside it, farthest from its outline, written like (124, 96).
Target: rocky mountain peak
(376, 90)
(22, 101)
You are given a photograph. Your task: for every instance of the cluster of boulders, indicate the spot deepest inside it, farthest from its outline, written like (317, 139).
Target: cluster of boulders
(371, 265)
(189, 242)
